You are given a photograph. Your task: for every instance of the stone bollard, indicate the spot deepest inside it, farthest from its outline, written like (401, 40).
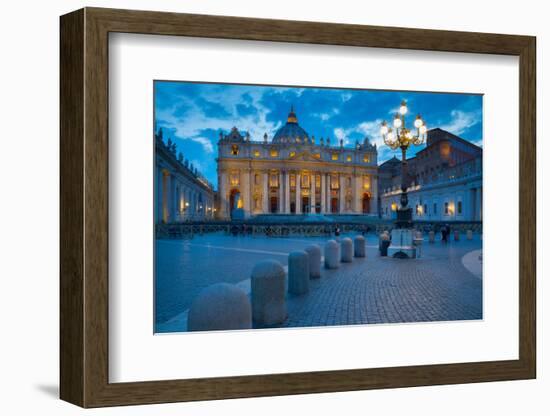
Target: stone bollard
(418, 235)
(332, 254)
(469, 235)
(359, 246)
(268, 293)
(221, 306)
(346, 248)
(457, 235)
(298, 273)
(431, 237)
(314, 253)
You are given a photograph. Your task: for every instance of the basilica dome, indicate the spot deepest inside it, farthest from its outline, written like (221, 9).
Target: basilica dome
(291, 132)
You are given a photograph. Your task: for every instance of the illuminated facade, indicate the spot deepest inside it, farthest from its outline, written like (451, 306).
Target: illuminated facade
(446, 181)
(182, 193)
(295, 174)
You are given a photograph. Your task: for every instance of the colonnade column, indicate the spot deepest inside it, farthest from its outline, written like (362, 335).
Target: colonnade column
(323, 193)
(222, 195)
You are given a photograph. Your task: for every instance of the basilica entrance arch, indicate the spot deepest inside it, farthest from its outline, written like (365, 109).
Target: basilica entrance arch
(366, 203)
(232, 199)
(273, 204)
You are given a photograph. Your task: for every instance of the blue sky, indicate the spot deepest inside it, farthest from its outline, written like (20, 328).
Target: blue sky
(192, 114)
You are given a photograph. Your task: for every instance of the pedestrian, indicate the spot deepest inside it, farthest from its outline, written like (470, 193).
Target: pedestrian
(337, 231)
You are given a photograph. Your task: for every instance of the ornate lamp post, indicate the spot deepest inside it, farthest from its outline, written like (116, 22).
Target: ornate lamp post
(401, 137)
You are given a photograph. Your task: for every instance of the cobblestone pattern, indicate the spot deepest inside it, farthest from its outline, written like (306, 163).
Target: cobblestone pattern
(386, 290)
(436, 287)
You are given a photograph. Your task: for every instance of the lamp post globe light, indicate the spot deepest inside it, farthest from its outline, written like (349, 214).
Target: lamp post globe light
(401, 137)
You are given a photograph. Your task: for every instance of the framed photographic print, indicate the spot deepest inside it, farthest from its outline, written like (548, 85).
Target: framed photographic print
(255, 207)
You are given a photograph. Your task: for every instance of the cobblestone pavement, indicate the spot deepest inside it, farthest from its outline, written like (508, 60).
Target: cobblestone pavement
(435, 287)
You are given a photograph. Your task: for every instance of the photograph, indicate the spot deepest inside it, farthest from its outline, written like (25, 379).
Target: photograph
(283, 206)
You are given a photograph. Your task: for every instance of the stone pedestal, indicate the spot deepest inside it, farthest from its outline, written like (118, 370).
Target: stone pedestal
(268, 293)
(332, 254)
(298, 273)
(469, 235)
(346, 247)
(359, 248)
(431, 237)
(402, 244)
(221, 306)
(314, 255)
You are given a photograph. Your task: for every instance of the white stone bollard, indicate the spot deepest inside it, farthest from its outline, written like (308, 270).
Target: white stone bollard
(359, 249)
(221, 306)
(268, 293)
(298, 273)
(346, 246)
(314, 254)
(431, 237)
(332, 254)
(469, 235)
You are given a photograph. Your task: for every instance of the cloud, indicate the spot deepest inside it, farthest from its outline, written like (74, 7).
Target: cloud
(206, 143)
(327, 115)
(461, 121)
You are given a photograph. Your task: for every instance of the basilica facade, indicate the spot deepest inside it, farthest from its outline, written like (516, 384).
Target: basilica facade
(293, 173)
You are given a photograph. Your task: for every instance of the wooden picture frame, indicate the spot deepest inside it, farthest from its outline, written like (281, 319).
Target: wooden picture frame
(84, 207)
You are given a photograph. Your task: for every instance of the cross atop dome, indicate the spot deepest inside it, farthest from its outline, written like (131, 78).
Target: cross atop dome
(292, 116)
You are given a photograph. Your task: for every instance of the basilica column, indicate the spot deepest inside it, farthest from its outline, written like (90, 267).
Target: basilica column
(323, 193)
(298, 194)
(312, 183)
(357, 194)
(245, 190)
(287, 192)
(342, 194)
(281, 192)
(265, 194)
(373, 179)
(223, 195)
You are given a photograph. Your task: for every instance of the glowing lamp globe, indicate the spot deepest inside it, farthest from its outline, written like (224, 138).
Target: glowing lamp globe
(418, 122)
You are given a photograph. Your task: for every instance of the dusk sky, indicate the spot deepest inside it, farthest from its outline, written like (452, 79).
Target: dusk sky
(193, 114)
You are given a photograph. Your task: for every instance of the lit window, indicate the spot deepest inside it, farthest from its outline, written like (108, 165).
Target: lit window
(366, 182)
(348, 158)
(256, 153)
(334, 184)
(394, 206)
(317, 155)
(293, 181)
(318, 181)
(335, 156)
(274, 180)
(274, 153)
(305, 181)
(366, 159)
(292, 154)
(234, 179)
(234, 150)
